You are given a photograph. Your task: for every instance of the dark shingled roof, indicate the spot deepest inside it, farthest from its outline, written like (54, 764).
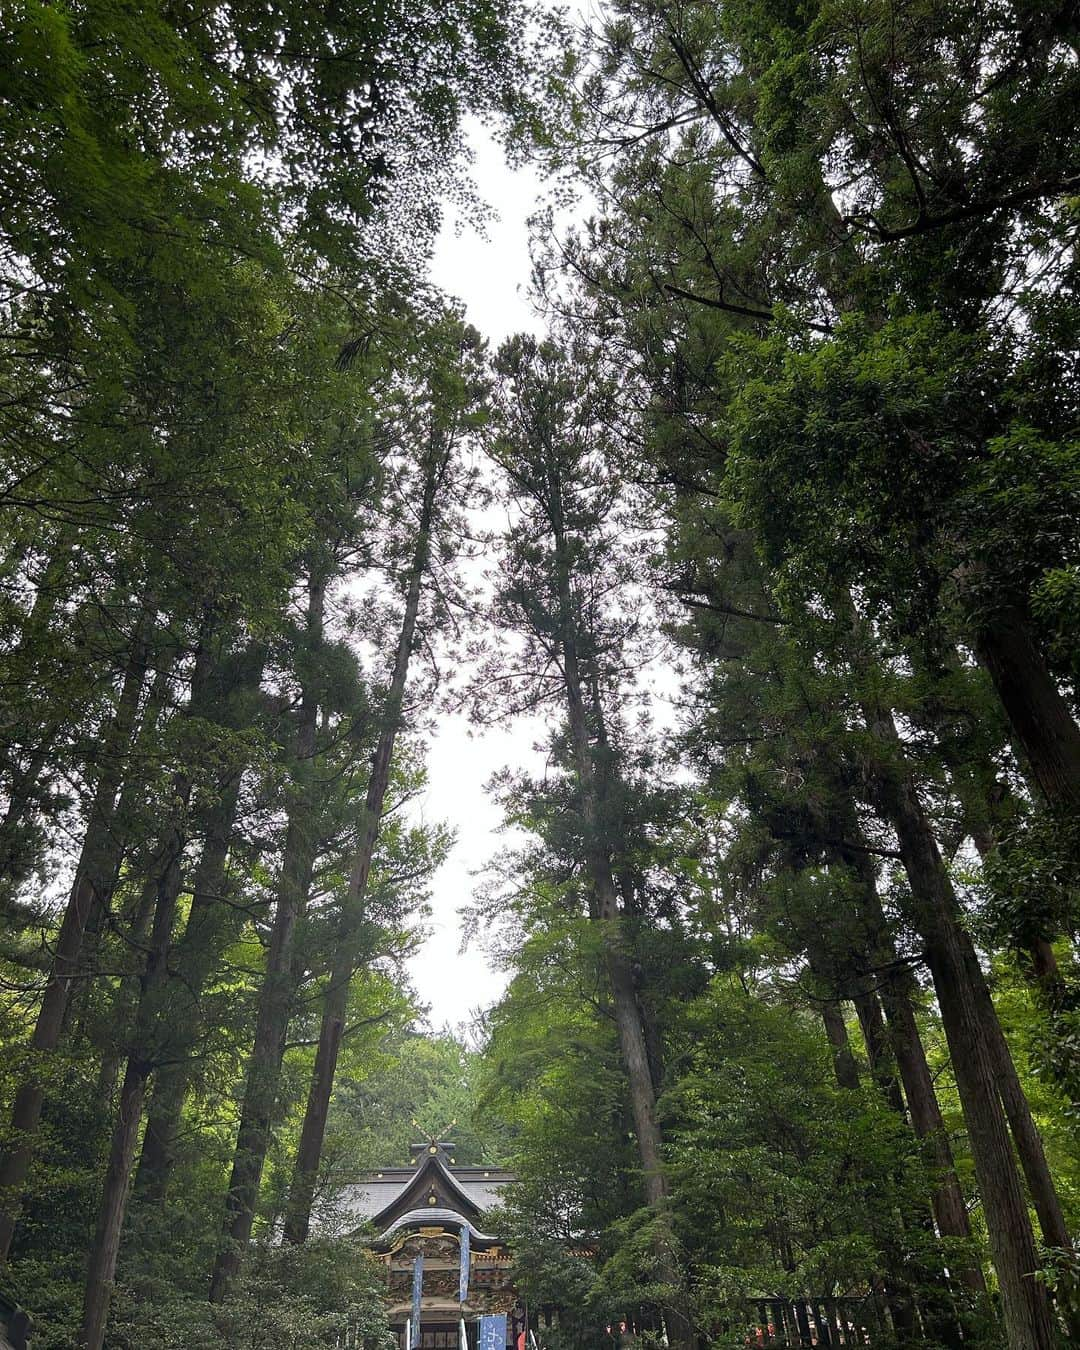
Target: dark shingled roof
(401, 1197)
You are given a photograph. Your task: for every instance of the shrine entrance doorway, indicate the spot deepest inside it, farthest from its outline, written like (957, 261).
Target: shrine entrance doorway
(443, 1335)
(440, 1336)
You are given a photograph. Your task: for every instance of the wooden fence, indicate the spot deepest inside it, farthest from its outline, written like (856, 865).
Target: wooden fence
(810, 1322)
(769, 1323)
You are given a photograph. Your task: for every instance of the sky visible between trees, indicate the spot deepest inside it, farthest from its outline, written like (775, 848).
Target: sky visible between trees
(674, 597)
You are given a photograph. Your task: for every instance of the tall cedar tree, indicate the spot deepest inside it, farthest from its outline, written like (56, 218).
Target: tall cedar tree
(561, 562)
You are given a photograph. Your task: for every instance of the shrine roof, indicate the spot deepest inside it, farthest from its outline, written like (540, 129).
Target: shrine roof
(433, 1190)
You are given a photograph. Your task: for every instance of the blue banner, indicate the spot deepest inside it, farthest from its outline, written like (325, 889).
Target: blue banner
(463, 1278)
(493, 1332)
(417, 1290)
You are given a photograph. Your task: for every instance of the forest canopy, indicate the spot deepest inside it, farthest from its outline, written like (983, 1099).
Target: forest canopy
(772, 525)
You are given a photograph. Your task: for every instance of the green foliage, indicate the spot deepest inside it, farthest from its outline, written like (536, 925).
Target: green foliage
(429, 1079)
(786, 1181)
(805, 423)
(288, 1297)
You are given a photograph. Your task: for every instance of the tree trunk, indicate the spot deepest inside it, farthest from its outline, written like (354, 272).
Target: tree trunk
(878, 1050)
(844, 1066)
(335, 998)
(653, 1042)
(605, 911)
(829, 1002)
(94, 879)
(924, 1110)
(1028, 1319)
(995, 808)
(989, 807)
(940, 1317)
(1025, 1133)
(896, 1283)
(14, 865)
(1045, 728)
(148, 1035)
(126, 999)
(135, 917)
(276, 994)
(1029, 1322)
(635, 1056)
(101, 1265)
(1044, 973)
(210, 927)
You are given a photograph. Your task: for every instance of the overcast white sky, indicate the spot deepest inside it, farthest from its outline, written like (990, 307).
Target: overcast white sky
(491, 276)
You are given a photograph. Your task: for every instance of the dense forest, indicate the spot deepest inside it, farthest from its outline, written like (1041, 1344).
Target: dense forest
(776, 531)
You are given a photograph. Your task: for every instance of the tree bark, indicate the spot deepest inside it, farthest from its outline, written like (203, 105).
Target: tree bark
(896, 1282)
(135, 915)
(1046, 731)
(878, 1050)
(95, 877)
(101, 1265)
(995, 807)
(126, 999)
(1025, 1133)
(989, 806)
(653, 1041)
(1044, 972)
(1029, 1323)
(940, 1317)
(211, 925)
(950, 1212)
(278, 986)
(21, 798)
(335, 998)
(900, 1033)
(844, 1065)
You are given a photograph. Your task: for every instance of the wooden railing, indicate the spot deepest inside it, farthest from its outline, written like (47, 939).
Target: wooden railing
(815, 1322)
(774, 1322)
(768, 1323)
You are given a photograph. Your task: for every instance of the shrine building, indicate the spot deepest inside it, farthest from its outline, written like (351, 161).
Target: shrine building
(448, 1282)
(436, 1211)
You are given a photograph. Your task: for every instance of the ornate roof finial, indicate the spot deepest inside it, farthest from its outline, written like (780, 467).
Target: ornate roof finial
(434, 1145)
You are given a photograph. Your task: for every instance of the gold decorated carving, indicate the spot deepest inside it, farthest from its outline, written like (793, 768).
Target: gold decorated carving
(442, 1283)
(490, 1290)
(442, 1246)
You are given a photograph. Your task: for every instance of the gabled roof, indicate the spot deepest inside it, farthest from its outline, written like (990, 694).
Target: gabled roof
(432, 1184)
(433, 1191)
